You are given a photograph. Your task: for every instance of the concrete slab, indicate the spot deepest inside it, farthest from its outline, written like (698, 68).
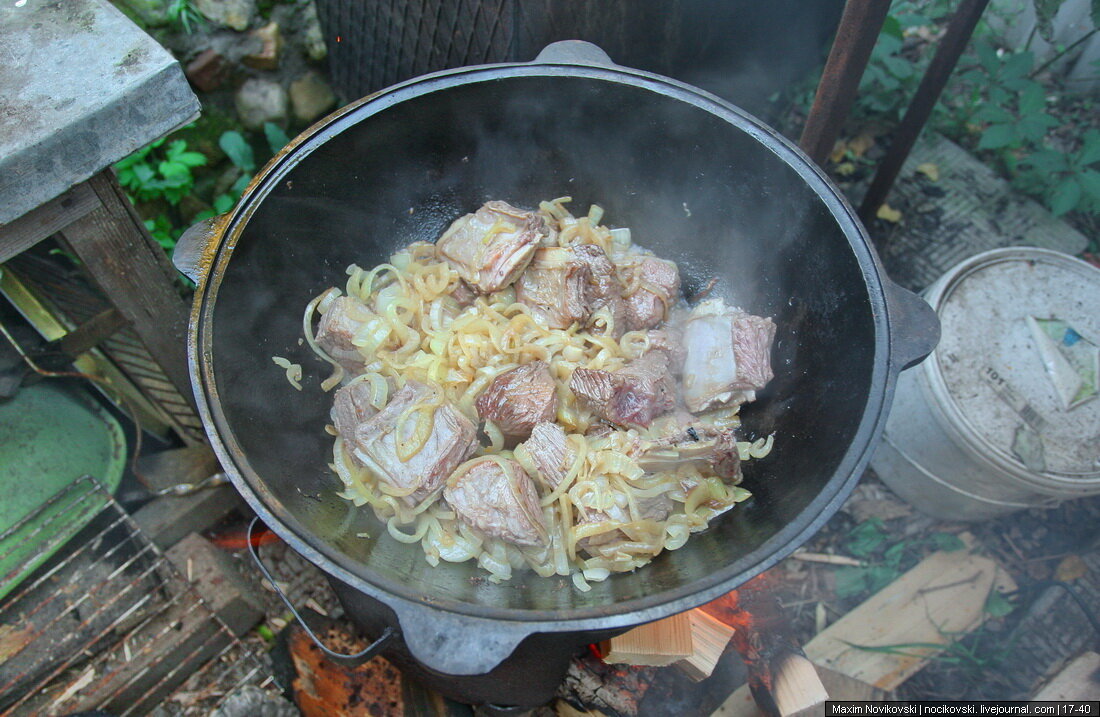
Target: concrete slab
(80, 88)
(967, 210)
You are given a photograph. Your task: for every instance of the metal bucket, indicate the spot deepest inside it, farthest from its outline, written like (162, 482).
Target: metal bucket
(1005, 413)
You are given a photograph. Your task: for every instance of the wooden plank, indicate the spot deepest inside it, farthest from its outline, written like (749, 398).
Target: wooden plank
(21, 234)
(1079, 680)
(944, 594)
(655, 644)
(709, 638)
(131, 270)
(797, 690)
(842, 687)
(739, 704)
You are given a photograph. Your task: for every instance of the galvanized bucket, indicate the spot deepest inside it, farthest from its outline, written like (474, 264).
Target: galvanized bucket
(1005, 413)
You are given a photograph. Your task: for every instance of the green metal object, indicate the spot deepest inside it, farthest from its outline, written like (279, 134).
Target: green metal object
(51, 437)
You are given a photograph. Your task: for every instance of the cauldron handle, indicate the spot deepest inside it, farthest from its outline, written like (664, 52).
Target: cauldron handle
(914, 327)
(190, 255)
(341, 658)
(574, 52)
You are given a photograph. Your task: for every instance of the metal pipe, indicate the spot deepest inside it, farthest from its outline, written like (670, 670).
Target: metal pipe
(855, 37)
(924, 100)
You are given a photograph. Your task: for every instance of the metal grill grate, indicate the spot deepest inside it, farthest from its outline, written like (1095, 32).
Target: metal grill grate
(73, 302)
(113, 625)
(377, 43)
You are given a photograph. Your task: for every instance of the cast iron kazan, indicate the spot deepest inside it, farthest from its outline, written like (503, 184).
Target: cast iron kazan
(698, 181)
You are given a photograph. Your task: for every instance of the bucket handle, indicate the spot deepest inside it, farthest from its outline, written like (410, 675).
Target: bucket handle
(339, 657)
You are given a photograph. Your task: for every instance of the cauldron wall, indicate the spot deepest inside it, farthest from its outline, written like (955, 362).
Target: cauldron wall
(691, 186)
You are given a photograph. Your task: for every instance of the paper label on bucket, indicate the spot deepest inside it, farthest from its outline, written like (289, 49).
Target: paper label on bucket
(1072, 362)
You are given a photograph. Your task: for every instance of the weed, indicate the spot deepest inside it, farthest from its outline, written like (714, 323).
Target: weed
(884, 560)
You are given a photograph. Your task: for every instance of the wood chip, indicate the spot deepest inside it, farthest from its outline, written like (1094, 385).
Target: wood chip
(942, 597)
(655, 644)
(929, 170)
(1079, 680)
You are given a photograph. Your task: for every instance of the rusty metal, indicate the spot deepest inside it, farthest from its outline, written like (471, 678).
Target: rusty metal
(855, 37)
(924, 100)
(111, 559)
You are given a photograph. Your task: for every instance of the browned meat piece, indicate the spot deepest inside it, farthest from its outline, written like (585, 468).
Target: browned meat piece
(518, 399)
(345, 316)
(631, 396)
(652, 287)
(350, 407)
(491, 247)
(463, 294)
(451, 440)
(496, 496)
(656, 508)
(670, 341)
(567, 285)
(604, 292)
(692, 443)
(728, 355)
(550, 453)
(555, 288)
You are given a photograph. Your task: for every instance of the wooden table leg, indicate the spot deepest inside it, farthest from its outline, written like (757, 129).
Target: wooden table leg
(133, 271)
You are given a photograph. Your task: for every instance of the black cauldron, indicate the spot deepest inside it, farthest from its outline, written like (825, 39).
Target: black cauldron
(697, 180)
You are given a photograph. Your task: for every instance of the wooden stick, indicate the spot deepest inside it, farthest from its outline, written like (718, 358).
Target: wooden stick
(827, 559)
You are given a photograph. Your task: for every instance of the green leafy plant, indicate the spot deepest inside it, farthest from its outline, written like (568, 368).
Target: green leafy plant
(182, 14)
(885, 560)
(239, 151)
(161, 171)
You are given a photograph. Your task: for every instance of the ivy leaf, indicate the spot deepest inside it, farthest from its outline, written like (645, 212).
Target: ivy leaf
(173, 170)
(1032, 99)
(240, 185)
(1065, 196)
(276, 137)
(1090, 183)
(223, 203)
(892, 27)
(987, 56)
(238, 150)
(1090, 146)
(997, 605)
(143, 173)
(1018, 64)
(191, 159)
(1045, 10)
(947, 542)
(997, 136)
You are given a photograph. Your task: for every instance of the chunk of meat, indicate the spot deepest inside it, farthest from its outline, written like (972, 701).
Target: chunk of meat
(669, 341)
(711, 447)
(652, 287)
(338, 326)
(497, 497)
(656, 508)
(727, 355)
(491, 247)
(463, 294)
(519, 398)
(378, 442)
(575, 284)
(550, 452)
(351, 406)
(604, 291)
(632, 396)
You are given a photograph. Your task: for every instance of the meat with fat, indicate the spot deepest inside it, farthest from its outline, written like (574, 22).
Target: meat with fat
(573, 285)
(632, 396)
(380, 442)
(497, 497)
(519, 398)
(727, 355)
(351, 406)
(549, 450)
(656, 508)
(491, 247)
(711, 448)
(652, 287)
(338, 326)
